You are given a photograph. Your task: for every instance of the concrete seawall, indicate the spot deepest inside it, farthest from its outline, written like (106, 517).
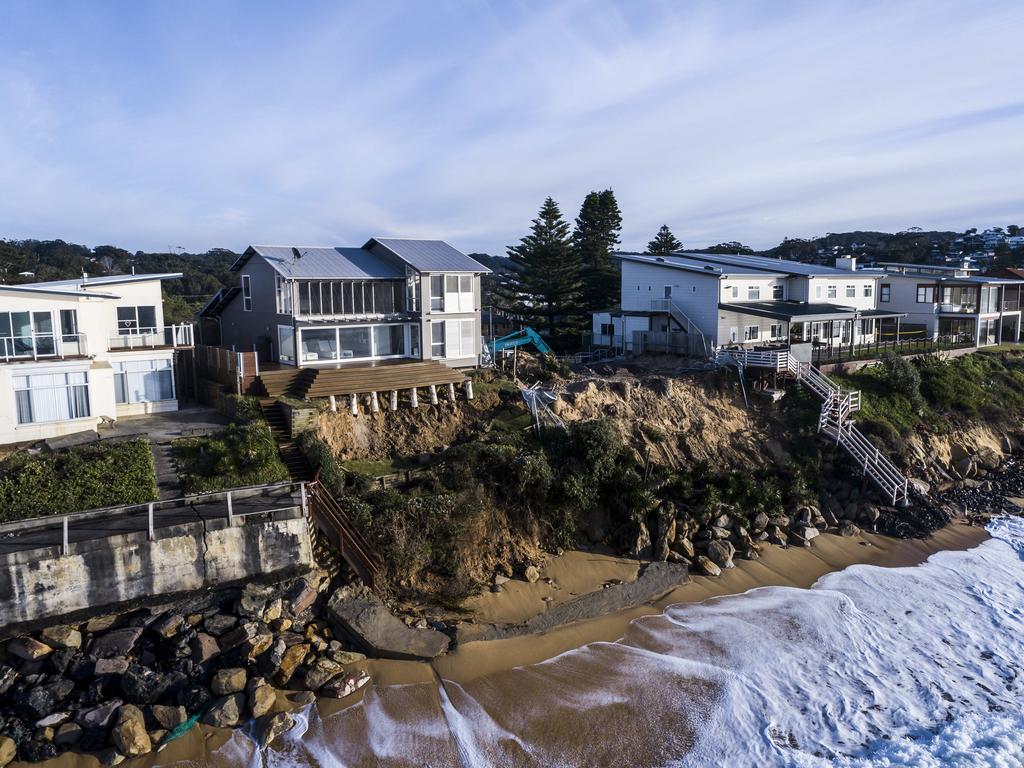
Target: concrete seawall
(42, 586)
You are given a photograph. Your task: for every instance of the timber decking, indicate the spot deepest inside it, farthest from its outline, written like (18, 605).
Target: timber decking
(307, 383)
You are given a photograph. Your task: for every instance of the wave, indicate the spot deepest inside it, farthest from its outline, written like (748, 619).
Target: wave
(916, 666)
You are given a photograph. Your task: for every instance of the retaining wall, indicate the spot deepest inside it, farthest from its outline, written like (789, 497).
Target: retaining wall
(43, 586)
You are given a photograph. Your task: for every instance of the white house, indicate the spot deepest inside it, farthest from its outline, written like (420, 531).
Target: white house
(696, 302)
(75, 352)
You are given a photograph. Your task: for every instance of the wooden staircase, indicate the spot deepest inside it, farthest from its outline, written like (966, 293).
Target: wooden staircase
(291, 456)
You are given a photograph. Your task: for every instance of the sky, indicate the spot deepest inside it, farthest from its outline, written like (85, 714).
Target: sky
(152, 125)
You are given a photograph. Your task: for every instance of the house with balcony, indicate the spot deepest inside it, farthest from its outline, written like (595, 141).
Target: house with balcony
(76, 352)
(388, 302)
(695, 303)
(954, 304)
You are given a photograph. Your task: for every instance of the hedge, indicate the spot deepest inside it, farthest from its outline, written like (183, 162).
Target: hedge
(104, 474)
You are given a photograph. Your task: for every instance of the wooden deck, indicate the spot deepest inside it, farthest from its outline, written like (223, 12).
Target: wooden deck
(308, 383)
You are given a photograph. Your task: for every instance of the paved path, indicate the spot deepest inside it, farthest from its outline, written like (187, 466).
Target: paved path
(167, 484)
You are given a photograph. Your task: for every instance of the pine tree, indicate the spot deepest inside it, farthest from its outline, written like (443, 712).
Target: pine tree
(547, 285)
(664, 243)
(595, 239)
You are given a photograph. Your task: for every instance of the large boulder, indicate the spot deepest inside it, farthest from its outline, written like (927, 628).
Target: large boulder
(225, 712)
(322, 672)
(8, 750)
(269, 727)
(641, 546)
(345, 685)
(99, 716)
(228, 681)
(130, 735)
(290, 661)
(142, 685)
(169, 717)
(707, 567)
(300, 596)
(62, 636)
(721, 553)
(262, 699)
(116, 643)
(28, 648)
(363, 617)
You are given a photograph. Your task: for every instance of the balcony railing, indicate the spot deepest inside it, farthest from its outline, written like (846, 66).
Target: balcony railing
(174, 336)
(45, 346)
(959, 309)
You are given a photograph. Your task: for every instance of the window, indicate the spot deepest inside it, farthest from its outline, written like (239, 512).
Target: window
(734, 334)
(51, 397)
(867, 327)
(851, 291)
(778, 292)
(460, 338)
(353, 342)
(735, 291)
(753, 293)
(283, 294)
(926, 294)
(607, 329)
(143, 381)
(776, 331)
(832, 292)
(26, 334)
(437, 293)
(286, 343)
(458, 293)
(436, 339)
(817, 291)
(136, 320)
(246, 293)
(884, 292)
(321, 344)
(69, 324)
(751, 332)
(388, 340)
(869, 291)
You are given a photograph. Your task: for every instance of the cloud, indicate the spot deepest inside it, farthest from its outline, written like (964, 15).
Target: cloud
(243, 123)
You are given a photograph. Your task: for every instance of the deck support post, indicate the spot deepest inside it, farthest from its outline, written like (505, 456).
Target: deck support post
(374, 402)
(334, 403)
(414, 398)
(150, 516)
(394, 400)
(64, 538)
(433, 394)
(353, 404)
(451, 391)
(469, 389)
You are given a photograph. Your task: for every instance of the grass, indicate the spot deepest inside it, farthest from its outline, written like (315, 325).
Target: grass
(377, 468)
(241, 455)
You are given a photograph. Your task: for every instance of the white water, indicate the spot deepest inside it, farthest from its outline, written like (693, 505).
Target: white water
(872, 666)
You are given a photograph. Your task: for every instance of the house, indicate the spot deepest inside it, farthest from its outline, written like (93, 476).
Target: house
(697, 302)
(75, 352)
(953, 303)
(391, 300)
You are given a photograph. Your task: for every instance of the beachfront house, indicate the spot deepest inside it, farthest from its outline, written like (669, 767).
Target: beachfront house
(76, 352)
(695, 303)
(952, 304)
(387, 302)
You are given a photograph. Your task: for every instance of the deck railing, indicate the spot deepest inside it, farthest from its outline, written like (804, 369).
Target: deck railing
(46, 345)
(176, 336)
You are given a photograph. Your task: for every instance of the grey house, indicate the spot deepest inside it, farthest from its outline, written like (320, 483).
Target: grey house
(390, 300)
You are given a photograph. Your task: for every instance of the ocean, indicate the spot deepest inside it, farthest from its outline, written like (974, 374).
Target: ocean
(915, 666)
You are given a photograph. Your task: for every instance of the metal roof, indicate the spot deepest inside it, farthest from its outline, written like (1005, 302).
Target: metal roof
(429, 255)
(690, 263)
(774, 265)
(323, 263)
(58, 291)
(84, 283)
(802, 311)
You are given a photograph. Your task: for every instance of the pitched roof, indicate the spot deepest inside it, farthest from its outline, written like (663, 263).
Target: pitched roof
(429, 255)
(81, 283)
(774, 265)
(323, 263)
(690, 262)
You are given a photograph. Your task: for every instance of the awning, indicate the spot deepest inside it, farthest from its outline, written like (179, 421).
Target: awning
(805, 312)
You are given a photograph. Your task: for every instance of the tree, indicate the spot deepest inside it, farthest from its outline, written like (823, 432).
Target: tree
(1002, 255)
(1013, 230)
(595, 238)
(732, 247)
(547, 285)
(664, 243)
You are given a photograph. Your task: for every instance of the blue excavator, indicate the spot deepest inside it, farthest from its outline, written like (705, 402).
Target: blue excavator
(519, 338)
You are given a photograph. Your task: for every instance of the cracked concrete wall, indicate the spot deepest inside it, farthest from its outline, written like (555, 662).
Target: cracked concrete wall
(42, 586)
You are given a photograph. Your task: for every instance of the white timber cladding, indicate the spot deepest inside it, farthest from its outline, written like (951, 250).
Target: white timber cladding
(855, 290)
(748, 288)
(695, 293)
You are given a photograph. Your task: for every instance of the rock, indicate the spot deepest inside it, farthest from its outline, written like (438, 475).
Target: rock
(116, 643)
(362, 615)
(253, 601)
(716, 533)
(683, 546)
(722, 521)
(228, 681)
(99, 716)
(302, 698)
(37, 750)
(115, 666)
(258, 644)
(28, 648)
(322, 672)
(641, 545)
(8, 750)
(142, 685)
(269, 727)
(129, 734)
(67, 735)
(290, 661)
(270, 660)
(261, 700)
(168, 625)
(169, 717)
(810, 533)
(531, 574)
(98, 624)
(110, 756)
(219, 623)
(345, 685)
(193, 698)
(204, 647)
(869, 514)
(751, 554)
(849, 529)
(42, 701)
(57, 718)
(777, 535)
(300, 596)
(720, 553)
(8, 676)
(236, 637)
(62, 637)
(759, 523)
(273, 610)
(225, 712)
(347, 657)
(707, 567)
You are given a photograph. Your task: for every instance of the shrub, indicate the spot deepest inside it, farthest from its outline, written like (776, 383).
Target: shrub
(102, 474)
(240, 455)
(904, 378)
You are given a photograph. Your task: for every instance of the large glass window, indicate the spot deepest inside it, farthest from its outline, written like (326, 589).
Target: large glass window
(26, 334)
(926, 294)
(458, 338)
(283, 294)
(246, 293)
(319, 344)
(778, 291)
(356, 342)
(51, 397)
(437, 340)
(388, 340)
(69, 324)
(884, 292)
(753, 293)
(133, 320)
(286, 343)
(143, 381)
(437, 293)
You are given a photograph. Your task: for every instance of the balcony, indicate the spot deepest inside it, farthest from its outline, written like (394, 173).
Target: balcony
(43, 347)
(958, 309)
(168, 337)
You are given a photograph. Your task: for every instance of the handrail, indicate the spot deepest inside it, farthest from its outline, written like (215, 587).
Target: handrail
(329, 517)
(180, 335)
(667, 304)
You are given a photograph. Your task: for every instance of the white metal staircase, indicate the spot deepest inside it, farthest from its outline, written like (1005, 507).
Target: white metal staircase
(837, 406)
(670, 307)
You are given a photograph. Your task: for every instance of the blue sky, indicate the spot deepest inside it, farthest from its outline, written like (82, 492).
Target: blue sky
(149, 124)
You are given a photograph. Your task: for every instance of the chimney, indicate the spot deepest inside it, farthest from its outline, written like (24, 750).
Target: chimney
(847, 262)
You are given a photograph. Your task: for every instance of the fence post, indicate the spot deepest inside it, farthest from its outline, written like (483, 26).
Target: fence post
(64, 539)
(150, 516)
(302, 489)
(231, 510)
